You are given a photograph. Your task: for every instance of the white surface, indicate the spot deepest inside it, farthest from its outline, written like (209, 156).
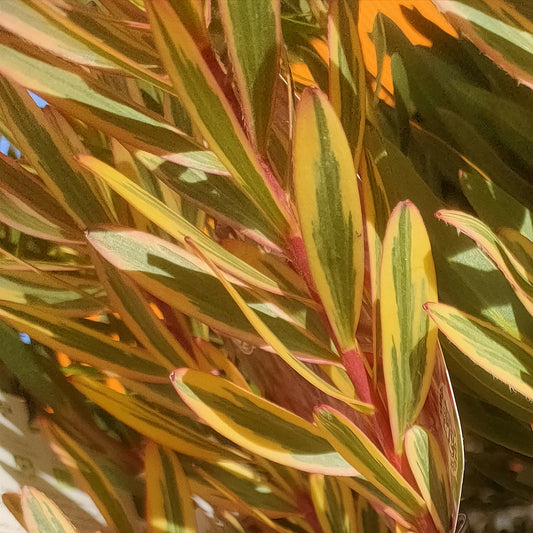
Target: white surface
(26, 459)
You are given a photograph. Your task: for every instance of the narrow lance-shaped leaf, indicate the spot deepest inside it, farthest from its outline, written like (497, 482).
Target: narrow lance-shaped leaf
(409, 339)
(168, 428)
(255, 61)
(16, 213)
(215, 194)
(515, 273)
(61, 32)
(258, 425)
(82, 343)
(328, 203)
(367, 459)
(175, 224)
(169, 505)
(36, 139)
(42, 515)
(134, 309)
(209, 109)
(94, 103)
(180, 279)
(334, 504)
(61, 293)
(368, 520)
(427, 464)
(297, 365)
(504, 357)
(91, 477)
(347, 88)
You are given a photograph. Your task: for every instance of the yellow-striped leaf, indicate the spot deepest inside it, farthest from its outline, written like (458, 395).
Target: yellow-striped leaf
(39, 143)
(368, 520)
(42, 515)
(169, 505)
(330, 213)
(19, 182)
(511, 268)
(368, 460)
(495, 206)
(258, 425)
(347, 87)
(217, 195)
(82, 343)
(92, 479)
(71, 34)
(16, 213)
(61, 293)
(521, 248)
(181, 280)
(427, 464)
(409, 339)
(255, 61)
(175, 224)
(266, 333)
(95, 104)
(134, 309)
(248, 482)
(501, 31)
(210, 110)
(504, 357)
(334, 504)
(168, 428)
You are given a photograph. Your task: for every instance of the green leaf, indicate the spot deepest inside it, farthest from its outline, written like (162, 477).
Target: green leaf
(181, 280)
(174, 223)
(258, 425)
(472, 379)
(505, 37)
(255, 61)
(94, 103)
(211, 111)
(19, 182)
(428, 467)
(92, 479)
(365, 457)
(409, 339)
(249, 482)
(42, 146)
(504, 357)
(60, 292)
(368, 520)
(328, 203)
(334, 504)
(16, 213)
(279, 348)
(134, 309)
(494, 206)
(82, 343)
(346, 72)
(217, 195)
(495, 425)
(516, 274)
(42, 515)
(174, 430)
(169, 505)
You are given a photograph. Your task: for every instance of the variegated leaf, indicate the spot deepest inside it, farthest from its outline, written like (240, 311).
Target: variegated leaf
(409, 339)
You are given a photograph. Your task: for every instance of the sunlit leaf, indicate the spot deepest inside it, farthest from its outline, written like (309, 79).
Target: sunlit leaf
(409, 339)
(258, 425)
(91, 477)
(169, 505)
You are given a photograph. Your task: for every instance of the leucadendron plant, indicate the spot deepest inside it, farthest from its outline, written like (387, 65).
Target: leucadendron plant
(202, 216)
